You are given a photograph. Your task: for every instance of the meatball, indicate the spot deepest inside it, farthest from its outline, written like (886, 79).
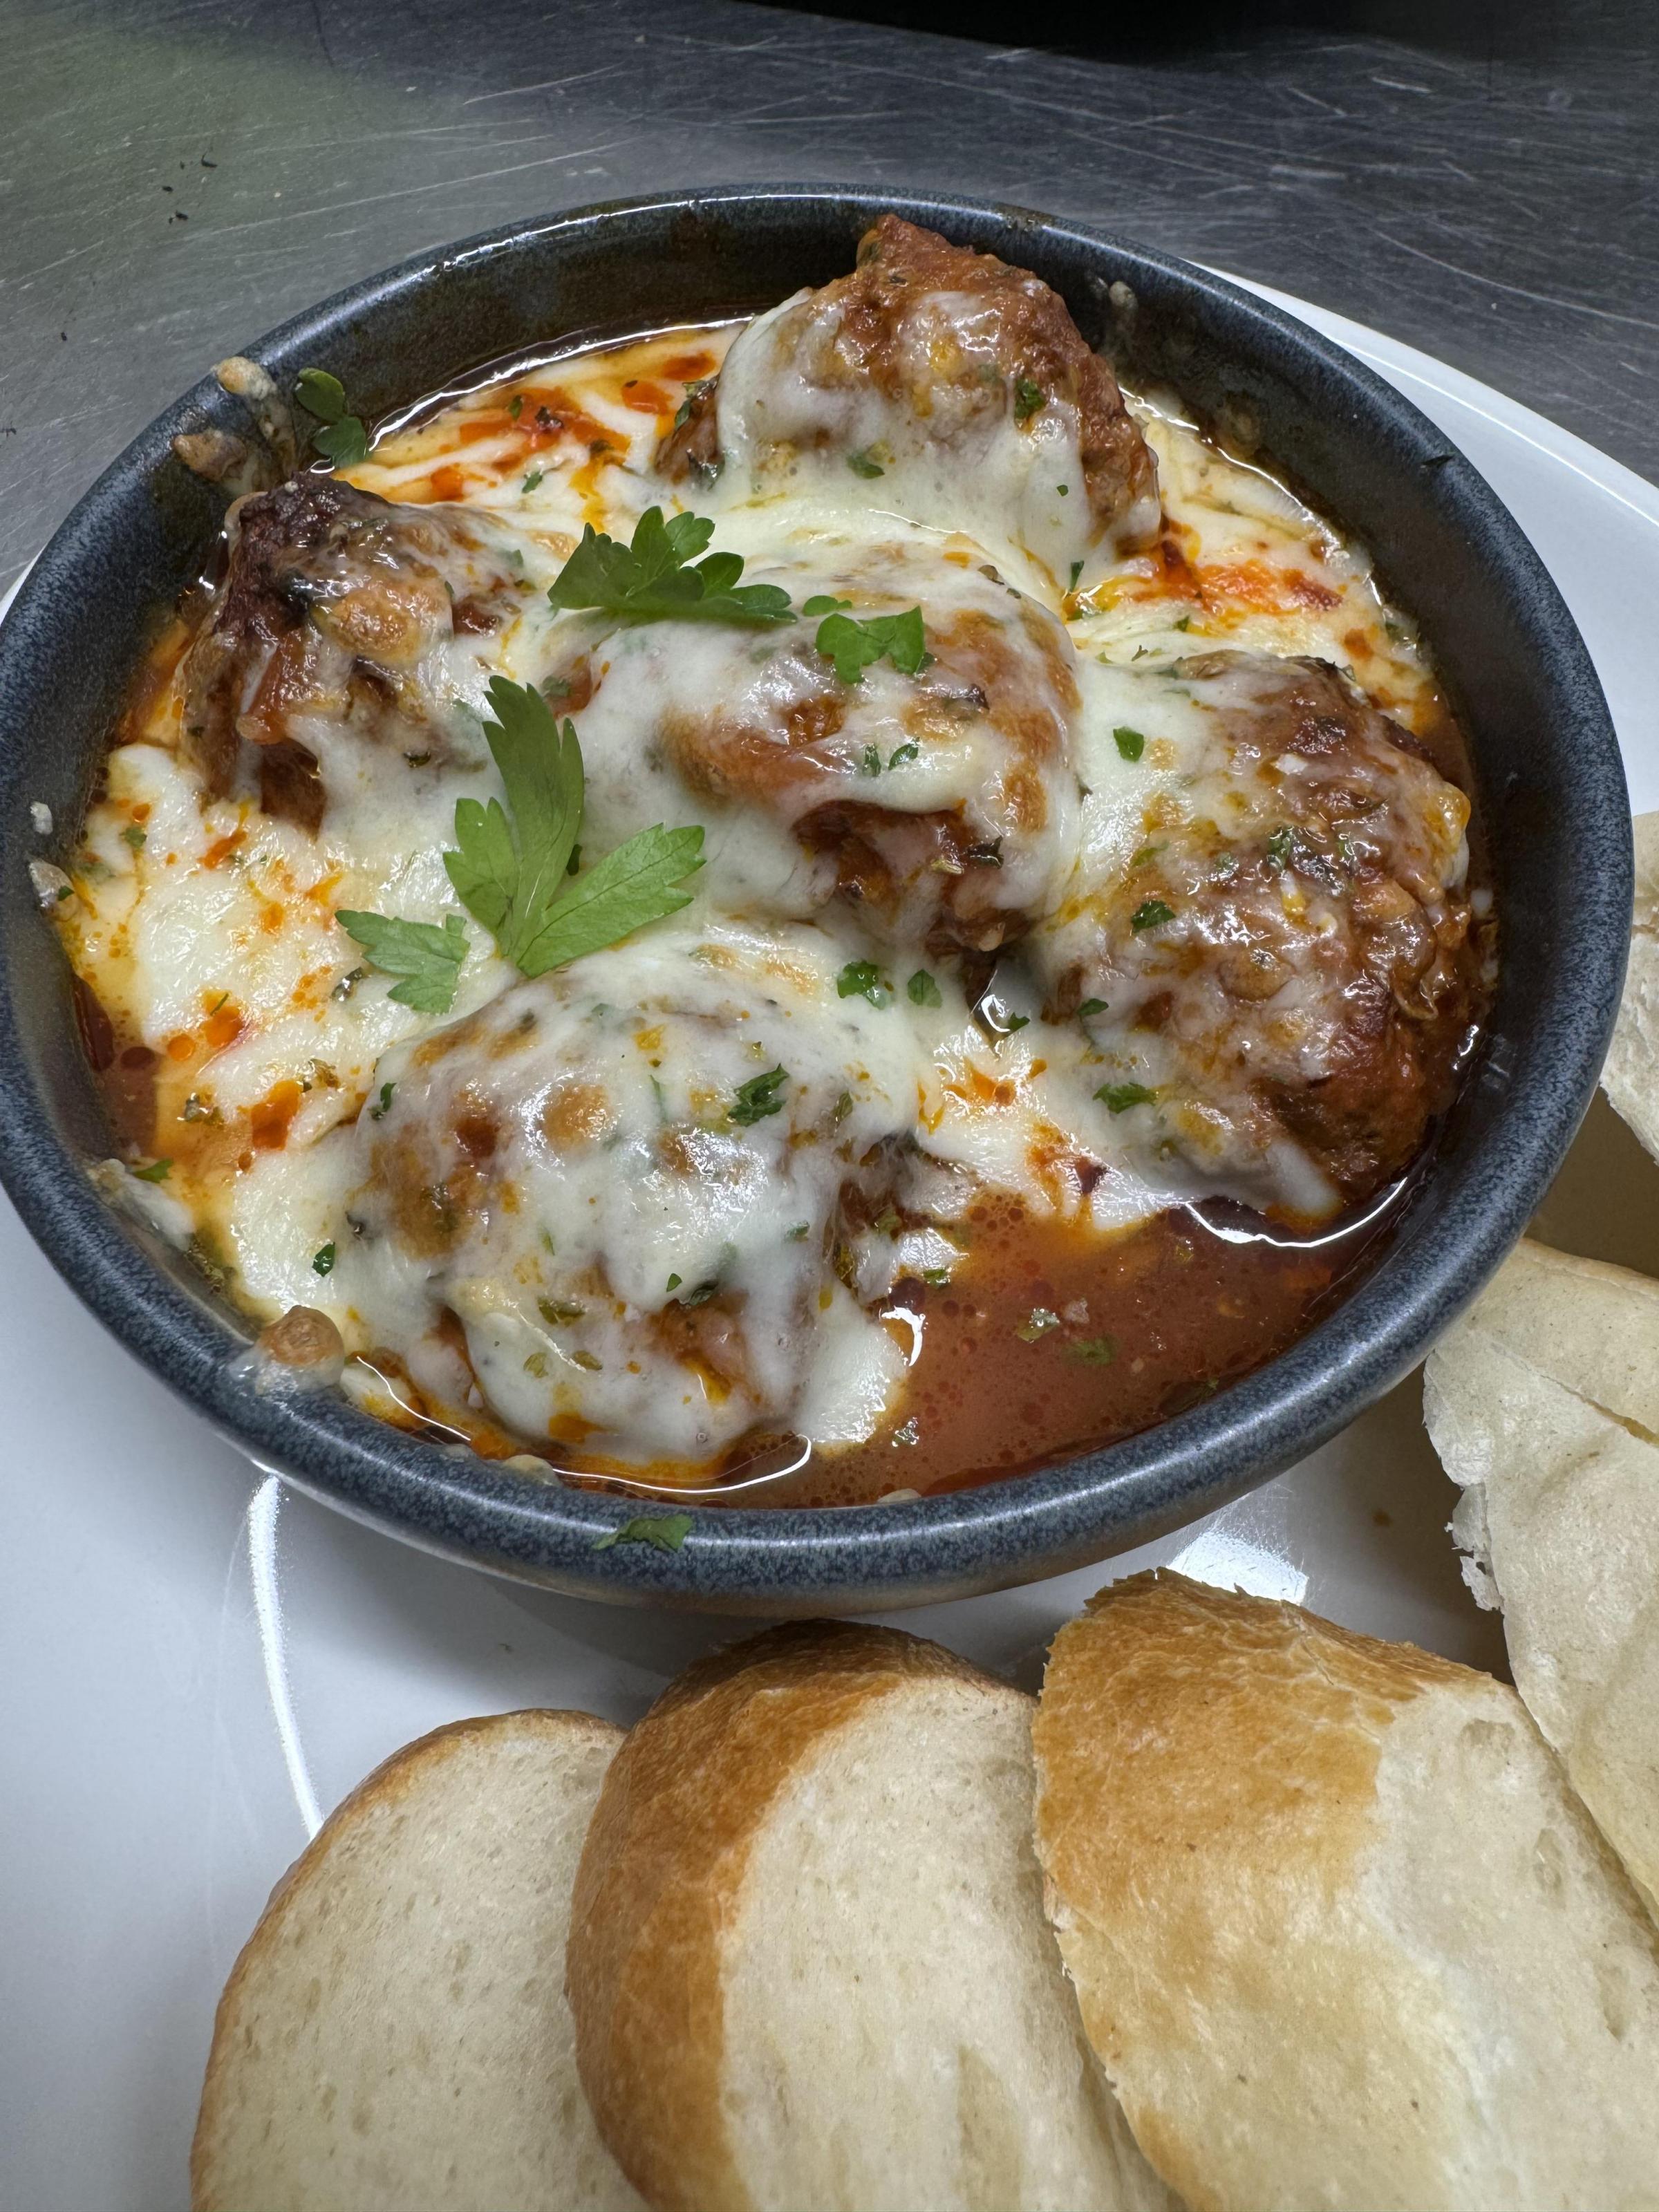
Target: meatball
(940, 381)
(1280, 977)
(940, 804)
(624, 1202)
(339, 612)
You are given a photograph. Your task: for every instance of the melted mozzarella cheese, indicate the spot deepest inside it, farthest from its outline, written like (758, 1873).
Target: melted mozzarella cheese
(788, 417)
(632, 1234)
(312, 1114)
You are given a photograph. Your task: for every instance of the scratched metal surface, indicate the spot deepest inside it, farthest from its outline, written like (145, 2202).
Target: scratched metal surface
(176, 175)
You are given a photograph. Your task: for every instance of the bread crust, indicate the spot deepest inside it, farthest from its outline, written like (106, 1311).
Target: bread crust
(1234, 1801)
(660, 1874)
(394, 1779)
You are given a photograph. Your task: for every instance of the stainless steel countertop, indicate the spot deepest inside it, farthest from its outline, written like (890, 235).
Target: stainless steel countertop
(178, 175)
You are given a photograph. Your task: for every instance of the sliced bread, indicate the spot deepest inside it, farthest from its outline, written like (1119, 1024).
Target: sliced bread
(1342, 1934)
(394, 2037)
(808, 1962)
(1543, 1403)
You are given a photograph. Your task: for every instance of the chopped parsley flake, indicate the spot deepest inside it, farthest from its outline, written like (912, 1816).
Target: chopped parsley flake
(157, 1171)
(1090, 1007)
(674, 1282)
(1121, 1096)
(862, 465)
(901, 754)
(1130, 743)
(855, 646)
(1280, 846)
(533, 480)
(322, 1262)
(386, 1090)
(1027, 398)
(799, 1233)
(343, 438)
(1151, 913)
(515, 407)
(825, 603)
(936, 1278)
(870, 764)
(558, 1311)
(758, 1097)
(667, 1532)
(922, 990)
(133, 836)
(1093, 1350)
(862, 978)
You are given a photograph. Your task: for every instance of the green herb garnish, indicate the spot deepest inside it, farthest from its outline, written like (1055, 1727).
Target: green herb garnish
(515, 407)
(1076, 570)
(922, 990)
(322, 1263)
(343, 438)
(157, 1171)
(936, 1278)
(1130, 743)
(1151, 913)
(1121, 1096)
(133, 836)
(656, 578)
(375, 1113)
(871, 763)
(855, 646)
(1089, 1007)
(666, 1531)
(533, 479)
(1027, 398)
(758, 1098)
(559, 1313)
(1280, 846)
(902, 755)
(824, 603)
(1186, 623)
(509, 871)
(799, 1234)
(1093, 1350)
(862, 978)
(427, 959)
(862, 465)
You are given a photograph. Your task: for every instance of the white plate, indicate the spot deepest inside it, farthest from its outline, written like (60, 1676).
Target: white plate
(193, 1663)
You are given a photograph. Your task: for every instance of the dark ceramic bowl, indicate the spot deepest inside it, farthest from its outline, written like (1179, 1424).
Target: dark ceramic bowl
(1549, 789)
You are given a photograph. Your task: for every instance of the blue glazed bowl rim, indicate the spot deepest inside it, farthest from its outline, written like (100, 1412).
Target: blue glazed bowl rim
(1009, 1530)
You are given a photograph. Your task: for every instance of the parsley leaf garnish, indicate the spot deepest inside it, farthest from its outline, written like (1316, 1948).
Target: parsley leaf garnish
(862, 465)
(1027, 398)
(510, 871)
(322, 1262)
(758, 1098)
(1093, 1350)
(862, 978)
(1280, 847)
(855, 646)
(656, 578)
(824, 603)
(923, 990)
(667, 1531)
(157, 1171)
(342, 438)
(1130, 743)
(1090, 1008)
(1121, 1096)
(1151, 913)
(427, 959)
